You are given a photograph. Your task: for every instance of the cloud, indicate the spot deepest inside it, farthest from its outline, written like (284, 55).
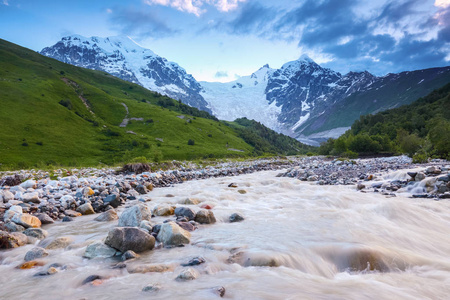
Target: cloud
(5, 2)
(253, 17)
(109, 11)
(196, 7)
(221, 74)
(130, 21)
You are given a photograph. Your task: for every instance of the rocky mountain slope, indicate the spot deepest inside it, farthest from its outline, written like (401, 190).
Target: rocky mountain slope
(123, 58)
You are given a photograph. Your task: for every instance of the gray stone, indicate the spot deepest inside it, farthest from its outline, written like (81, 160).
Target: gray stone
(35, 253)
(146, 225)
(185, 212)
(44, 218)
(152, 288)
(141, 189)
(28, 184)
(130, 238)
(420, 176)
(236, 218)
(66, 201)
(205, 217)
(15, 209)
(171, 234)
(113, 200)
(38, 233)
(163, 210)
(219, 291)
(106, 216)
(187, 274)
(31, 197)
(133, 216)
(129, 255)
(7, 196)
(26, 220)
(13, 227)
(86, 209)
(99, 250)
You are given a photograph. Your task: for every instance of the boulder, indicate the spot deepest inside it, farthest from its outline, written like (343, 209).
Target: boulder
(56, 243)
(236, 218)
(13, 227)
(21, 238)
(113, 200)
(163, 210)
(7, 196)
(141, 189)
(86, 209)
(72, 213)
(44, 218)
(28, 184)
(205, 217)
(31, 197)
(26, 220)
(420, 176)
(15, 209)
(146, 225)
(171, 234)
(35, 253)
(130, 238)
(8, 241)
(185, 212)
(38, 233)
(66, 201)
(133, 216)
(187, 226)
(99, 250)
(187, 274)
(109, 215)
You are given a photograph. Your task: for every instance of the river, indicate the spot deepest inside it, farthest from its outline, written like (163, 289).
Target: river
(298, 241)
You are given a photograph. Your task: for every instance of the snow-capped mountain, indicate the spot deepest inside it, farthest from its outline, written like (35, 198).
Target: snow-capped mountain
(123, 58)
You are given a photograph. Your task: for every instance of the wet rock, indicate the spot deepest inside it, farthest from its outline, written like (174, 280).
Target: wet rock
(7, 196)
(206, 206)
(150, 268)
(56, 243)
(141, 189)
(8, 240)
(187, 274)
(152, 288)
(31, 264)
(13, 227)
(67, 219)
(190, 201)
(109, 215)
(205, 217)
(91, 278)
(113, 200)
(236, 218)
(194, 262)
(360, 186)
(130, 238)
(86, 209)
(163, 210)
(171, 234)
(219, 291)
(35, 253)
(133, 216)
(50, 271)
(66, 201)
(419, 176)
(412, 174)
(185, 212)
(72, 213)
(100, 250)
(129, 255)
(26, 220)
(242, 192)
(146, 225)
(87, 191)
(187, 226)
(44, 218)
(38, 233)
(233, 185)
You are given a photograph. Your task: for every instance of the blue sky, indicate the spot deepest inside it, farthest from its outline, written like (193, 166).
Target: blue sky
(219, 40)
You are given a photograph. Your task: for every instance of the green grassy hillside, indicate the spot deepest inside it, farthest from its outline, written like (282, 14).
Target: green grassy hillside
(57, 114)
(420, 129)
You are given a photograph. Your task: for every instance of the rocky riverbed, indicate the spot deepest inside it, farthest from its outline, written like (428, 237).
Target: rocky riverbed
(137, 223)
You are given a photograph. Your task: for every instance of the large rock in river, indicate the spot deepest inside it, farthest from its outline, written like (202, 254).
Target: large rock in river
(26, 220)
(109, 215)
(171, 234)
(133, 216)
(130, 238)
(205, 217)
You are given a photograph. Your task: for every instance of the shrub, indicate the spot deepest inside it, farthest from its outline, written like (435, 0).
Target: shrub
(420, 158)
(39, 143)
(350, 154)
(191, 142)
(25, 144)
(66, 103)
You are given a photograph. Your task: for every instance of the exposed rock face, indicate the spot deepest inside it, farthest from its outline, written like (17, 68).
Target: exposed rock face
(171, 234)
(123, 58)
(130, 238)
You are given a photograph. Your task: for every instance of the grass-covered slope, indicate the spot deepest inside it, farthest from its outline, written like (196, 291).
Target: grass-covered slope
(55, 113)
(421, 129)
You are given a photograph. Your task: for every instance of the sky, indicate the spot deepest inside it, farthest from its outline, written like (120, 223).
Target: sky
(221, 40)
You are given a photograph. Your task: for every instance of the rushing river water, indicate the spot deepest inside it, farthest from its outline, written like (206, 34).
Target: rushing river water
(298, 241)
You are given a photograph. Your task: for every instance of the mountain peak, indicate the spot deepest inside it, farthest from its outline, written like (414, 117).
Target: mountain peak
(306, 58)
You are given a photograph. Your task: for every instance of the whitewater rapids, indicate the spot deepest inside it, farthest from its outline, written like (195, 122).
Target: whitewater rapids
(298, 241)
